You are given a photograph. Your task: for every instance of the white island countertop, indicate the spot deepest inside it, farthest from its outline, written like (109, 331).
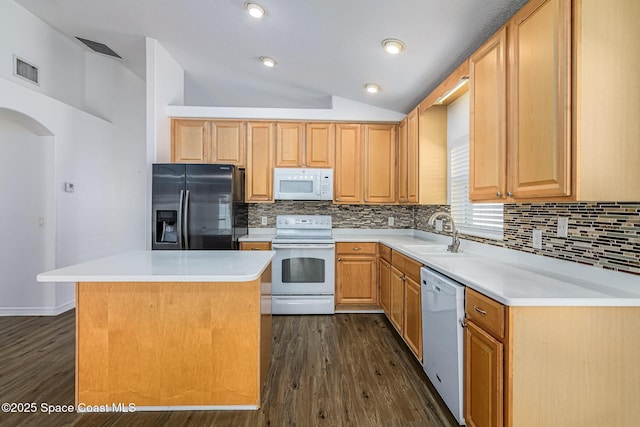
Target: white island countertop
(167, 266)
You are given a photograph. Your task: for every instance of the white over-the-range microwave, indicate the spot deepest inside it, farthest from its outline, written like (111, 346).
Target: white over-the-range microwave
(302, 184)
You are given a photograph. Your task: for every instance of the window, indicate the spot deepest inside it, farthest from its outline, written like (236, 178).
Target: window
(476, 219)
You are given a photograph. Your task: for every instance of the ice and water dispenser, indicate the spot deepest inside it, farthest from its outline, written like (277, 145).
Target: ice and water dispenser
(166, 226)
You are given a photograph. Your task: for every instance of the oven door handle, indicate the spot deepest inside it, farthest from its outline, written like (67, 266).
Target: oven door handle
(302, 246)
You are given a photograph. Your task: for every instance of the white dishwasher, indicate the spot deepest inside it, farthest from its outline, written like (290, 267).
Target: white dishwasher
(442, 337)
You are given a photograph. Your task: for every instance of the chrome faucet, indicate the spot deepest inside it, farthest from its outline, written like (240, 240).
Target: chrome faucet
(455, 242)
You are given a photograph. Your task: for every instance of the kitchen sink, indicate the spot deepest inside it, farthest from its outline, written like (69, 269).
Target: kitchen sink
(430, 249)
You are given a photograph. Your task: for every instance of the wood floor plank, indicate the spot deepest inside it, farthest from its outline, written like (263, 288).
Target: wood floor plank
(342, 370)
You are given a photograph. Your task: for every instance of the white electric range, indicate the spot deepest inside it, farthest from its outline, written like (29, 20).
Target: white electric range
(303, 275)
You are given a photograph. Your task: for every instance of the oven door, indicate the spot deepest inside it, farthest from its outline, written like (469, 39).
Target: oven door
(303, 269)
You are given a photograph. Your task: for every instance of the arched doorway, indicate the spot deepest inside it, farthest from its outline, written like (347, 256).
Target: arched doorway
(27, 213)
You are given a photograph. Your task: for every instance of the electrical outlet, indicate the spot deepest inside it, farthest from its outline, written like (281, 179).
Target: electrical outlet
(563, 226)
(263, 220)
(439, 226)
(537, 239)
(392, 221)
(41, 222)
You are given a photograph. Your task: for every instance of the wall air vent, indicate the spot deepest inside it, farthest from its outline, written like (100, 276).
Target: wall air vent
(25, 70)
(99, 47)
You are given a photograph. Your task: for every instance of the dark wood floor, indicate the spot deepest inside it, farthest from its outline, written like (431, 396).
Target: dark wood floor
(342, 370)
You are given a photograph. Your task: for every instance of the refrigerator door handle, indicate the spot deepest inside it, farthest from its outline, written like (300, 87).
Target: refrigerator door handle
(185, 223)
(180, 218)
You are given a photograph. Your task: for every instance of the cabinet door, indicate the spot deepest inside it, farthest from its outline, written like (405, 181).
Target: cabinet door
(190, 141)
(379, 163)
(347, 184)
(413, 157)
(320, 145)
(403, 158)
(397, 299)
(413, 317)
(483, 378)
(384, 275)
(227, 143)
(539, 100)
(487, 120)
(259, 174)
(289, 144)
(356, 280)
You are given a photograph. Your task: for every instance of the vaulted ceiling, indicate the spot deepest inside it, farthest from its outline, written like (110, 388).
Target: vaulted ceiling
(322, 47)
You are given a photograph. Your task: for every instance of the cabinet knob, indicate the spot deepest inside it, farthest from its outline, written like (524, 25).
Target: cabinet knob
(509, 194)
(499, 194)
(339, 259)
(337, 199)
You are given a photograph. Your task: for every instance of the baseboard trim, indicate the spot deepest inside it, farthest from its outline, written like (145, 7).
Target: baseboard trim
(37, 311)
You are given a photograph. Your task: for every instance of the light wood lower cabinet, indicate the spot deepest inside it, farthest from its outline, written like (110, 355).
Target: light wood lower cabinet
(255, 246)
(483, 369)
(356, 274)
(384, 276)
(405, 311)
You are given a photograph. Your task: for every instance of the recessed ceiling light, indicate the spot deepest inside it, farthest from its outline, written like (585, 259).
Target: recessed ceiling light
(269, 62)
(393, 46)
(372, 88)
(254, 10)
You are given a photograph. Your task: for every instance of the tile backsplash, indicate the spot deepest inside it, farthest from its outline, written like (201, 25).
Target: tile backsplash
(605, 235)
(343, 216)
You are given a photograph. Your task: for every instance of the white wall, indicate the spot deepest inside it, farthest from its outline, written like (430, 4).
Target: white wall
(60, 60)
(165, 86)
(105, 159)
(26, 187)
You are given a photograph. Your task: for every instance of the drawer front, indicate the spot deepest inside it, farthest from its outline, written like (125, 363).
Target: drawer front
(385, 252)
(407, 265)
(356, 248)
(255, 246)
(485, 312)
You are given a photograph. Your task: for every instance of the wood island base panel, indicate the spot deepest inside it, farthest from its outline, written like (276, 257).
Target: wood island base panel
(173, 345)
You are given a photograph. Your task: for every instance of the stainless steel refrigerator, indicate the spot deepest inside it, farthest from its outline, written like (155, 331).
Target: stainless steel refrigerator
(198, 206)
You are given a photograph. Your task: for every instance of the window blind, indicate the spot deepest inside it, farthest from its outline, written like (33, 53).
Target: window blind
(477, 219)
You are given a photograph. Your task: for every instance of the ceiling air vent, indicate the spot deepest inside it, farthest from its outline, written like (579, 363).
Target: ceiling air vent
(25, 70)
(99, 47)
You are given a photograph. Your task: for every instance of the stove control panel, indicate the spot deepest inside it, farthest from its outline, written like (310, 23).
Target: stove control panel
(302, 222)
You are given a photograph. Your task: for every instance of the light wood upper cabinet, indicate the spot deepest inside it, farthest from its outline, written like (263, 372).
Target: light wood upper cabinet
(190, 141)
(606, 100)
(525, 69)
(379, 163)
(408, 159)
(347, 184)
(487, 114)
(227, 143)
(320, 145)
(571, 113)
(259, 173)
(539, 100)
(289, 144)
(305, 145)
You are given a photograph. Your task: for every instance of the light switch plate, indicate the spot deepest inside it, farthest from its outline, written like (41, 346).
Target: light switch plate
(439, 226)
(263, 220)
(563, 226)
(69, 187)
(392, 221)
(537, 239)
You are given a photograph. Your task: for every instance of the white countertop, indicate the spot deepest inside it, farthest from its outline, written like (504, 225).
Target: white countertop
(514, 278)
(167, 266)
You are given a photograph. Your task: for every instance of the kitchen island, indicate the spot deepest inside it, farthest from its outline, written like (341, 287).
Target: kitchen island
(172, 330)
